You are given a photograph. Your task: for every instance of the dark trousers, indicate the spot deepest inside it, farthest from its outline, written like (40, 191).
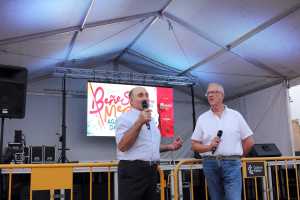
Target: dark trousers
(137, 180)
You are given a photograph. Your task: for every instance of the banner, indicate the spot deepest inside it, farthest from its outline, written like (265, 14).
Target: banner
(106, 102)
(165, 111)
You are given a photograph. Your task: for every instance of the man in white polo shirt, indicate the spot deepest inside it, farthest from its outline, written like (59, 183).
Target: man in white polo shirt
(138, 149)
(222, 136)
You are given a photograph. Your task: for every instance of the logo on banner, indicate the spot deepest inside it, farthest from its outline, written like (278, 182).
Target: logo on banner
(166, 111)
(255, 169)
(106, 102)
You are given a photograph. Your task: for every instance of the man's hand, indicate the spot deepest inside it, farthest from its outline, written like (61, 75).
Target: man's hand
(177, 144)
(145, 116)
(215, 143)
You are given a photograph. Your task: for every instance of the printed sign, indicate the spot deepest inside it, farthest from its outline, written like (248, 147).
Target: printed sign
(106, 102)
(255, 169)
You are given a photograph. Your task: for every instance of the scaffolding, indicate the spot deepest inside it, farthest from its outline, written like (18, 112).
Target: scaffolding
(124, 77)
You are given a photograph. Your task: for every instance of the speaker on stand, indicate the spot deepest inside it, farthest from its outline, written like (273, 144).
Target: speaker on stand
(13, 83)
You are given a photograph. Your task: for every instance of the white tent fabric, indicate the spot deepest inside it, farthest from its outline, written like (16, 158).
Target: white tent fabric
(267, 113)
(295, 82)
(247, 46)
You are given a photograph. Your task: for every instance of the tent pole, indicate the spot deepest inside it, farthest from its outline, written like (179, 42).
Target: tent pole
(196, 155)
(193, 106)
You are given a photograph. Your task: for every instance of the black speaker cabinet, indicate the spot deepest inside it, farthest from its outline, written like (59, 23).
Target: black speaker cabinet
(13, 83)
(18, 136)
(36, 154)
(264, 150)
(49, 154)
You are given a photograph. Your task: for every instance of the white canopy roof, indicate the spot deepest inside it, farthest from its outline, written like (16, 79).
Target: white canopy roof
(244, 45)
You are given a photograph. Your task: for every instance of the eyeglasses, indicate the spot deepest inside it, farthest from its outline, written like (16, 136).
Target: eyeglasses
(212, 93)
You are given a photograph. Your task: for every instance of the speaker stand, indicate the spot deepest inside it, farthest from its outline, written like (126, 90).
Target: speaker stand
(63, 157)
(59, 160)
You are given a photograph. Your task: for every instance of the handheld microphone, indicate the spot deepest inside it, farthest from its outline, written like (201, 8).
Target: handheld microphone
(220, 132)
(145, 105)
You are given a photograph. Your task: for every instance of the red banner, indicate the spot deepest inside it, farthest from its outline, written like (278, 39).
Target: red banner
(166, 111)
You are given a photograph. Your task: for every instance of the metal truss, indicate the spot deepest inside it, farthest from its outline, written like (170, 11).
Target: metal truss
(124, 77)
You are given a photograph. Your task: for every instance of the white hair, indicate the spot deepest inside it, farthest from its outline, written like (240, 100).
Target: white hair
(219, 86)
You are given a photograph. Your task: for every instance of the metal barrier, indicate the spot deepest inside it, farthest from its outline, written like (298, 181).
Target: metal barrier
(275, 177)
(189, 164)
(162, 183)
(53, 177)
(263, 178)
(56, 176)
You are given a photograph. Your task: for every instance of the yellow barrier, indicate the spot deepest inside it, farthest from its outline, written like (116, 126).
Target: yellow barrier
(162, 183)
(176, 170)
(267, 165)
(272, 167)
(278, 176)
(49, 177)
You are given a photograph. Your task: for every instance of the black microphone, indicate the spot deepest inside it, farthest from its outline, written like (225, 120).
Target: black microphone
(220, 132)
(145, 105)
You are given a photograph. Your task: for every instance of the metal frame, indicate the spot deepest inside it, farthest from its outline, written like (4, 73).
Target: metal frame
(75, 35)
(161, 12)
(122, 77)
(74, 28)
(158, 64)
(242, 39)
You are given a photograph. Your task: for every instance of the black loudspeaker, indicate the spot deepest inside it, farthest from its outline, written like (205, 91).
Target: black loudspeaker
(13, 83)
(264, 150)
(49, 154)
(18, 136)
(36, 154)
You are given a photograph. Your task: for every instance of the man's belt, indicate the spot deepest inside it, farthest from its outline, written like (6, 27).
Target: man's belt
(221, 157)
(141, 162)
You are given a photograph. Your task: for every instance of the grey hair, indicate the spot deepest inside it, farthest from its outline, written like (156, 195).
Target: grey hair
(220, 87)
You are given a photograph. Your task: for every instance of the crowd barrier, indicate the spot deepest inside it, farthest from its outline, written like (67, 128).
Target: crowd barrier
(58, 177)
(263, 178)
(274, 178)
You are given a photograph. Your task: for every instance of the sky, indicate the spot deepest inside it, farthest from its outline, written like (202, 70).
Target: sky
(295, 102)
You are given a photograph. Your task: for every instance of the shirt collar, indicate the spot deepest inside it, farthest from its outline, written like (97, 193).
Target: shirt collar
(225, 110)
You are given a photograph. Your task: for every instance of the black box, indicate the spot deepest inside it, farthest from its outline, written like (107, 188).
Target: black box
(264, 150)
(36, 154)
(19, 158)
(13, 85)
(15, 147)
(49, 154)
